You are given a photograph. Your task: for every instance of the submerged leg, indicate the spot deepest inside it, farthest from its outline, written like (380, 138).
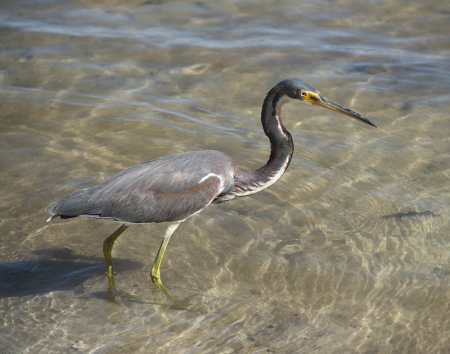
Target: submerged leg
(107, 249)
(155, 273)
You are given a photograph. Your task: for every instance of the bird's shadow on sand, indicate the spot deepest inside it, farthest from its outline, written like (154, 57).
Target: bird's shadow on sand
(54, 270)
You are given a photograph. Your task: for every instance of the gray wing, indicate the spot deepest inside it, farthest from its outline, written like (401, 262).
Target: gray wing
(167, 188)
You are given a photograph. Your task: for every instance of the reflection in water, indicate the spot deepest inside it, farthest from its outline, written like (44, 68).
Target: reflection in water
(311, 265)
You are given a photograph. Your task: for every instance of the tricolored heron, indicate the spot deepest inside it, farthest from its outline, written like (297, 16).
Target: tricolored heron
(175, 187)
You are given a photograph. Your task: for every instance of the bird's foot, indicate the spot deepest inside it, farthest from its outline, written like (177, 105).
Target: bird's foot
(182, 305)
(111, 295)
(156, 279)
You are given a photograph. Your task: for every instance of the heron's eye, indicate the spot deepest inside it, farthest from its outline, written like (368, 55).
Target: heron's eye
(303, 93)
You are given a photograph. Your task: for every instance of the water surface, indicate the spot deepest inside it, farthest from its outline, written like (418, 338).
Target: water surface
(321, 262)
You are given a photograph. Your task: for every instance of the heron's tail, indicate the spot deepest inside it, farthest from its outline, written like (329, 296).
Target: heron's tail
(51, 217)
(52, 209)
(71, 206)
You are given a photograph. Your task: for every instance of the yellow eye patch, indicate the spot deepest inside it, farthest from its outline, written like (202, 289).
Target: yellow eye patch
(310, 96)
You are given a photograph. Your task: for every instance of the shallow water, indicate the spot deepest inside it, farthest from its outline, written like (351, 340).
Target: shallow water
(347, 253)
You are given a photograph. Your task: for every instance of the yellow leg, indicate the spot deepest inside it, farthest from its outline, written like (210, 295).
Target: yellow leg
(155, 272)
(107, 249)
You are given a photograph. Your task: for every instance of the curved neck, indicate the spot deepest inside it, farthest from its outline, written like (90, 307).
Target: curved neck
(281, 144)
(281, 149)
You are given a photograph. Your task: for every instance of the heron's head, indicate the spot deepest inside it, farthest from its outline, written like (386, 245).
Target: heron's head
(300, 90)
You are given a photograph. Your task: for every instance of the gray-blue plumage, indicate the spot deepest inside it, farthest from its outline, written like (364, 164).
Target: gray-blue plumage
(167, 188)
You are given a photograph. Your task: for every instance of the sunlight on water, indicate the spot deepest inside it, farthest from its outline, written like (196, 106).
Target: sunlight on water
(347, 253)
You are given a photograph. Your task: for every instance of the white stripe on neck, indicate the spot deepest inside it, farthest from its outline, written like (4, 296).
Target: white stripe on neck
(270, 181)
(281, 102)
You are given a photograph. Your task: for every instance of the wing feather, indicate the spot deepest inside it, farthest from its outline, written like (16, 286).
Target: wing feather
(167, 188)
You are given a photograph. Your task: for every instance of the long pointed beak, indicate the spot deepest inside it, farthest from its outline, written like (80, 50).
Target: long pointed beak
(321, 101)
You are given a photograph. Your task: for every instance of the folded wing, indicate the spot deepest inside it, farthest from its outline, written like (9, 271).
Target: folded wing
(167, 188)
